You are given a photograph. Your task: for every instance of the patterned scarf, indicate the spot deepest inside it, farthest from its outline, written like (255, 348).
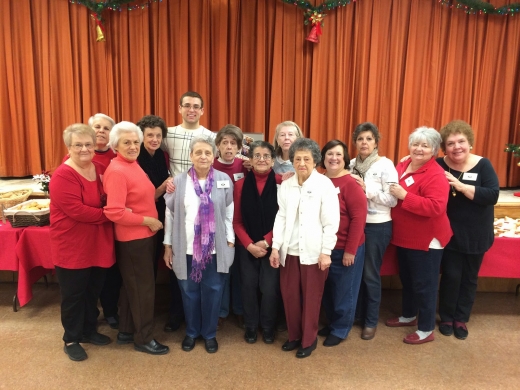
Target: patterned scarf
(361, 167)
(204, 240)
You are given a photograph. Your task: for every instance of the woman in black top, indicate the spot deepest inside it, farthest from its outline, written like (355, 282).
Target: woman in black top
(473, 193)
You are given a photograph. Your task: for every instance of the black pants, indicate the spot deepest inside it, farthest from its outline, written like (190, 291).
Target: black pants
(109, 296)
(80, 290)
(458, 285)
(257, 274)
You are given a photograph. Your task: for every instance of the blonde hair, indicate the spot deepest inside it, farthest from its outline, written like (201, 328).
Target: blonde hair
(78, 129)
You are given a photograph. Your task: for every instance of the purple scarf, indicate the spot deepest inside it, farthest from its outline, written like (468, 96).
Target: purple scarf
(204, 241)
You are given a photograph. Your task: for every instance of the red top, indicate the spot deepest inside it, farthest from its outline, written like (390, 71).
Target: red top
(235, 170)
(101, 157)
(421, 217)
(130, 197)
(238, 224)
(81, 235)
(353, 214)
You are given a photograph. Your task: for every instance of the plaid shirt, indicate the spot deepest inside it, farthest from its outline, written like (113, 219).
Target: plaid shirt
(177, 143)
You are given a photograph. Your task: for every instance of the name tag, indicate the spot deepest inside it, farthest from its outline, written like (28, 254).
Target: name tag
(222, 183)
(409, 181)
(238, 176)
(337, 190)
(470, 176)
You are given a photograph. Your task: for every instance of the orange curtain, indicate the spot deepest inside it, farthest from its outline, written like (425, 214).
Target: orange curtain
(400, 64)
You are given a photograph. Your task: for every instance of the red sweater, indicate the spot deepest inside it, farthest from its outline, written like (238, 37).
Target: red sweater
(238, 224)
(81, 235)
(130, 198)
(421, 216)
(103, 158)
(353, 214)
(236, 167)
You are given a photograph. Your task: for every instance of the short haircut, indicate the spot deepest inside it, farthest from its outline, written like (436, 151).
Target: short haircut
(261, 144)
(305, 144)
(457, 127)
(123, 127)
(332, 144)
(428, 134)
(278, 148)
(204, 140)
(151, 121)
(233, 131)
(366, 126)
(100, 116)
(78, 129)
(193, 95)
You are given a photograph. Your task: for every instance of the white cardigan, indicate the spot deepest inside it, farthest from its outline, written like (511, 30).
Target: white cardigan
(317, 203)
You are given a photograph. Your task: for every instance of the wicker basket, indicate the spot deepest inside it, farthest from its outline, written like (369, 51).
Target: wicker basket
(22, 218)
(17, 197)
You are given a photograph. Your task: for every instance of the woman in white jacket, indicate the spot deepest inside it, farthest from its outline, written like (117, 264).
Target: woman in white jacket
(304, 235)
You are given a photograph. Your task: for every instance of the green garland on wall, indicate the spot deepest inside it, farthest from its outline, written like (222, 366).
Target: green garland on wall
(479, 7)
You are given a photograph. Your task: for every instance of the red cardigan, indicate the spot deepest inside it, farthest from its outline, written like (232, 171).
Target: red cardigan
(421, 216)
(81, 235)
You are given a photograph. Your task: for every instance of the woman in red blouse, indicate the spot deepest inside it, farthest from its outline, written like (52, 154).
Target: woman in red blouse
(82, 241)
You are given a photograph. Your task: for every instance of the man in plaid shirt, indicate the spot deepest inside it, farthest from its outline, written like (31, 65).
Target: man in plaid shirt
(178, 138)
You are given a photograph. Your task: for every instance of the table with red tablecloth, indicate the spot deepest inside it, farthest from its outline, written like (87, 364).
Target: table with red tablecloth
(8, 239)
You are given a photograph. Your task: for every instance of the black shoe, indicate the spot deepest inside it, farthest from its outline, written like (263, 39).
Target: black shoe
(291, 345)
(324, 332)
(268, 336)
(75, 352)
(188, 344)
(446, 328)
(332, 341)
(461, 332)
(125, 338)
(172, 326)
(211, 345)
(153, 348)
(250, 335)
(96, 339)
(113, 321)
(306, 352)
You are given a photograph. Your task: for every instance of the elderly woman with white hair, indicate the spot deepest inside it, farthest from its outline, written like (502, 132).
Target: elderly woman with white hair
(202, 248)
(131, 206)
(102, 124)
(421, 230)
(284, 135)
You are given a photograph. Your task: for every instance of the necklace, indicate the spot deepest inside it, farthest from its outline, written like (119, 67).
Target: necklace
(453, 192)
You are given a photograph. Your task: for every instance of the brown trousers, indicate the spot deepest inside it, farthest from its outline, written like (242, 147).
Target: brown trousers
(302, 289)
(137, 297)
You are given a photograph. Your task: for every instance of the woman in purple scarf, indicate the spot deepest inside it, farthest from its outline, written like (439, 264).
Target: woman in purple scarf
(202, 247)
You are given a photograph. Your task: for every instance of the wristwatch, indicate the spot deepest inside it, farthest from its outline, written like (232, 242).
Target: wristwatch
(266, 244)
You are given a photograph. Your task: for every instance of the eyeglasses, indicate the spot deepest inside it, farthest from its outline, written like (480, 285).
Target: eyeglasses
(266, 157)
(188, 107)
(78, 147)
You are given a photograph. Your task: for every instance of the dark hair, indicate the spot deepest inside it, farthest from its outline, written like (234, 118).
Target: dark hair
(261, 144)
(193, 95)
(332, 144)
(305, 144)
(366, 126)
(457, 127)
(233, 131)
(151, 121)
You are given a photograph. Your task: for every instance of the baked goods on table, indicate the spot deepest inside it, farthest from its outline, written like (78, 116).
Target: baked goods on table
(507, 227)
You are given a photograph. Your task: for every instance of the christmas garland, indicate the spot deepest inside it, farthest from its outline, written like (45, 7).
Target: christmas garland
(480, 7)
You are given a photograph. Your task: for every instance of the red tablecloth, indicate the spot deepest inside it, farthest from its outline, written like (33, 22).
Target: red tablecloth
(34, 255)
(8, 239)
(501, 261)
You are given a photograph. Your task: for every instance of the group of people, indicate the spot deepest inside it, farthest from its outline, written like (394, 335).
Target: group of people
(267, 234)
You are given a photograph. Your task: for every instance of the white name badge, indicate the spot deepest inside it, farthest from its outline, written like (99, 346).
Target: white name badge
(337, 190)
(409, 181)
(238, 176)
(470, 176)
(222, 183)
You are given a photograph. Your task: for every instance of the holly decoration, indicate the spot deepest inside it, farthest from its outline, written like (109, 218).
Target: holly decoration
(479, 7)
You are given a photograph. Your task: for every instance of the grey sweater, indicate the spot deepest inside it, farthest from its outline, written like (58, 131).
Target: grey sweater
(221, 197)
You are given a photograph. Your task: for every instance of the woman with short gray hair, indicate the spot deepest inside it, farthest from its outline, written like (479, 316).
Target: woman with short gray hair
(421, 230)
(304, 236)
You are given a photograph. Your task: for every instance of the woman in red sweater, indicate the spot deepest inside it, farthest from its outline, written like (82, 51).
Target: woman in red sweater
(82, 241)
(131, 206)
(421, 230)
(342, 284)
(256, 206)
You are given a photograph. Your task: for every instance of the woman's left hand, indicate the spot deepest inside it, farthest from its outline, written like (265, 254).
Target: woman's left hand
(324, 261)
(247, 164)
(398, 191)
(360, 181)
(454, 182)
(348, 259)
(170, 187)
